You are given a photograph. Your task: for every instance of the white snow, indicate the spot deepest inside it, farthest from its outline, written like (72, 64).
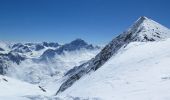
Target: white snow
(5, 46)
(64, 63)
(48, 73)
(37, 54)
(12, 89)
(145, 29)
(140, 71)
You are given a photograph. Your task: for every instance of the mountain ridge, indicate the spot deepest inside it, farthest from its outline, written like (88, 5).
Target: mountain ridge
(143, 30)
(140, 71)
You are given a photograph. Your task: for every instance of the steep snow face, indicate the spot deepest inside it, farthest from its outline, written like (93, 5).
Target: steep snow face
(143, 30)
(139, 71)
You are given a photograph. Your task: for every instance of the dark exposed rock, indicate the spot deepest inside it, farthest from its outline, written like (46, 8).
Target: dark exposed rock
(39, 47)
(51, 44)
(16, 58)
(5, 79)
(20, 48)
(48, 54)
(1, 49)
(42, 89)
(72, 46)
(92, 65)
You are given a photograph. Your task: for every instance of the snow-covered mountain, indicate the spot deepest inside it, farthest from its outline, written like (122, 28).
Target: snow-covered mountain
(142, 34)
(133, 66)
(36, 62)
(139, 71)
(75, 45)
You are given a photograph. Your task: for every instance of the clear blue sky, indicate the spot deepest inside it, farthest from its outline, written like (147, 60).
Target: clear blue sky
(96, 21)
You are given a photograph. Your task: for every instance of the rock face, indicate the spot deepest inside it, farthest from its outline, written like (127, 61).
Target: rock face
(1, 49)
(143, 30)
(21, 48)
(72, 46)
(29, 47)
(51, 44)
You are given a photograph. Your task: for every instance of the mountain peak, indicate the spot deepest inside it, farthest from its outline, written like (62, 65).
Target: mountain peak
(140, 21)
(143, 18)
(145, 29)
(78, 41)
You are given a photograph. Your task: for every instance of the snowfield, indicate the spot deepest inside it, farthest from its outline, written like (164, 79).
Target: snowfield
(12, 89)
(140, 71)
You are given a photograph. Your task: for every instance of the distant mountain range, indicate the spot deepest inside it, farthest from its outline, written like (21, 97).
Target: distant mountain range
(24, 60)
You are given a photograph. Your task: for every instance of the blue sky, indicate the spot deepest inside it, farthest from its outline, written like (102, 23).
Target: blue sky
(95, 21)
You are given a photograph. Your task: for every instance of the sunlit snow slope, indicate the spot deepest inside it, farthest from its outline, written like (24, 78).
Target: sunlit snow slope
(143, 30)
(12, 89)
(140, 71)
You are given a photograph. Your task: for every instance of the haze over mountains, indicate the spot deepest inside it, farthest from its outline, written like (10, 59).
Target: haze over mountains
(133, 66)
(32, 62)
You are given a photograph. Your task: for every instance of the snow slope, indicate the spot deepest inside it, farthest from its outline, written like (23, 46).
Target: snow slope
(12, 89)
(140, 71)
(143, 30)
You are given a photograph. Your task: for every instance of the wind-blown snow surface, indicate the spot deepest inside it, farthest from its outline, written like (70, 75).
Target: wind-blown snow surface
(140, 71)
(143, 30)
(12, 89)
